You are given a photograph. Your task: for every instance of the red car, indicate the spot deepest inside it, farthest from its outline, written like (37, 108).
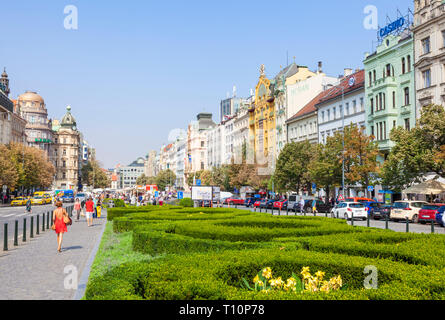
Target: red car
(234, 201)
(428, 212)
(281, 204)
(257, 204)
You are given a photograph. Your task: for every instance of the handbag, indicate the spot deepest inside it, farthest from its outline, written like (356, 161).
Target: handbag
(53, 227)
(67, 220)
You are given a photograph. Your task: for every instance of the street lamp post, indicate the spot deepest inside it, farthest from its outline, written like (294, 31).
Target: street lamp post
(343, 152)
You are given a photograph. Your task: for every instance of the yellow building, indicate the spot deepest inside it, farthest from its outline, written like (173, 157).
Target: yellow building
(268, 113)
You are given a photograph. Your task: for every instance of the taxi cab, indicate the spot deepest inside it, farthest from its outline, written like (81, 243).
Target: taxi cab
(39, 200)
(48, 199)
(20, 201)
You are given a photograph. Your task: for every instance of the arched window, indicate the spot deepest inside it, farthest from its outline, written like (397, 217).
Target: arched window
(409, 63)
(403, 66)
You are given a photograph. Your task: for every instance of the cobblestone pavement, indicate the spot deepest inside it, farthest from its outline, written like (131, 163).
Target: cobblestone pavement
(36, 271)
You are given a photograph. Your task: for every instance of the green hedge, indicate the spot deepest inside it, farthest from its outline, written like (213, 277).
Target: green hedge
(186, 202)
(203, 253)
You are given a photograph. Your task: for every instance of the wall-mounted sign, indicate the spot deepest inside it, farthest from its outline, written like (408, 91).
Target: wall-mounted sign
(394, 26)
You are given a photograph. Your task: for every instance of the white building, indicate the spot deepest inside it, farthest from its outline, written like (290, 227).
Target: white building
(181, 158)
(129, 174)
(429, 44)
(330, 108)
(241, 131)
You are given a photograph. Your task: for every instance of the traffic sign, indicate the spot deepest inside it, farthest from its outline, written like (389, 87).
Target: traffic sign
(156, 194)
(370, 188)
(180, 195)
(341, 198)
(198, 182)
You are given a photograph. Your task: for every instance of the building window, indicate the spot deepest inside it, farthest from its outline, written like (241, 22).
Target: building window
(409, 63)
(322, 116)
(443, 38)
(334, 111)
(407, 125)
(202, 144)
(403, 66)
(362, 104)
(372, 131)
(370, 78)
(202, 165)
(406, 96)
(427, 78)
(426, 45)
(347, 108)
(354, 106)
(388, 70)
(64, 152)
(329, 114)
(384, 123)
(375, 75)
(394, 124)
(372, 105)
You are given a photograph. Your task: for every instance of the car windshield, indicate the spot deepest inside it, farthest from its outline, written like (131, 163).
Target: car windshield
(401, 205)
(81, 194)
(430, 207)
(357, 205)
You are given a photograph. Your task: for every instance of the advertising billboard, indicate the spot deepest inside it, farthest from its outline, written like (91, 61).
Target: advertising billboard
(202, 193)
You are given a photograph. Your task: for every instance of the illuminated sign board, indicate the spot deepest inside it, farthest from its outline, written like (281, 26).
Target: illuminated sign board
(394, 26)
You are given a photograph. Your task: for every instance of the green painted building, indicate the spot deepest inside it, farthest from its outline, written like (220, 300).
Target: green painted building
(390, 88)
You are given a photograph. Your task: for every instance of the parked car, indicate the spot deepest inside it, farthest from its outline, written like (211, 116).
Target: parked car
(267, 204)
(234, 201)
(257, 204)
(377, 210)
(406, 209)
(205, 203)
(20, 201)
(280, 205)
(429, 211)
(294, 199)
(249, 202)
(349, 210)
(319, 205)
(439, 216)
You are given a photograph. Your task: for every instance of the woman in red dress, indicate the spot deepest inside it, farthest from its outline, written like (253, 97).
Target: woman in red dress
(59, 224)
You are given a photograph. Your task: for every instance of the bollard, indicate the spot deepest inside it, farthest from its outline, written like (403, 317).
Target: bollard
(43, 222)
(407, 224)
(272, 210)
(386, 223)
(32, 228)
(47, 221)
(279, 212)
(326, 214)
(16, 233)
(315, 213)
(368, 220)
(24, 230)
(37, 225)
(287, 211)
(352, 219)
(432, 226)
(5, 240)
(337, 214)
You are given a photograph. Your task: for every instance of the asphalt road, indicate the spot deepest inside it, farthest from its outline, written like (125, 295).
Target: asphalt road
(8, 215)
(395, 226)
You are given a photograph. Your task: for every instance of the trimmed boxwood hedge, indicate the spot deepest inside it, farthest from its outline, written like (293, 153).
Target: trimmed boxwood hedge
(204, 253)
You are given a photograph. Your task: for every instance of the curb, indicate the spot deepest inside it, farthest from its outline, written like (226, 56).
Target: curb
(81, 288)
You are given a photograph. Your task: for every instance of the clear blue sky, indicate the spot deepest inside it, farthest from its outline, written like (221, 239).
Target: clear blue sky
(134, 70)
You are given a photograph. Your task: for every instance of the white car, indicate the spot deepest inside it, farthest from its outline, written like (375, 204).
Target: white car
(349, 210)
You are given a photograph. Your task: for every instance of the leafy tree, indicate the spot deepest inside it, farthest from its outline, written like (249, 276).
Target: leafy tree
(8, 173)
(360, 157)
(165, 178)
(291, 172)
(93, 175)
(418, 151)
(325, 168)
(144, 180)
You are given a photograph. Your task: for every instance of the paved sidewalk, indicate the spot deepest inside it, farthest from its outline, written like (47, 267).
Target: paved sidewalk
(35, 270)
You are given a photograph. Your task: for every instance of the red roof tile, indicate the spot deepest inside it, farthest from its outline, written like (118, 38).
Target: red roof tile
(336, 91)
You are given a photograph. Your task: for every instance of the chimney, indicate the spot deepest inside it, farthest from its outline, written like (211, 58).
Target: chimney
(348, 72)
(320, 66)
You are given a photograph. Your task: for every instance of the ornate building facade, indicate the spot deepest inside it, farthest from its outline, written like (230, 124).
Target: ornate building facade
(66, 153)
(38, 128)
(429, 52)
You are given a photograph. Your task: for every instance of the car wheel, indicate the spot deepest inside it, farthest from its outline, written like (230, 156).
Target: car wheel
(308, 210)
(415, 219)
(346, 216)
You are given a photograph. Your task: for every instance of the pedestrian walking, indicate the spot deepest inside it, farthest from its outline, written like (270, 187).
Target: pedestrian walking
(314, 206)
(302, 203)
(95, 208)
(28, 206)
(89, 211)
(60, 221)
(77, 208)
(99, 208)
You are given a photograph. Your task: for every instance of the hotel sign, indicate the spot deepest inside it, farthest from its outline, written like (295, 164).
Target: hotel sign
(390, 28)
